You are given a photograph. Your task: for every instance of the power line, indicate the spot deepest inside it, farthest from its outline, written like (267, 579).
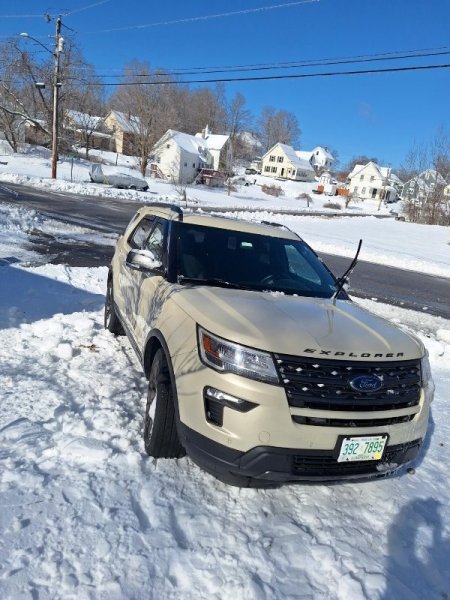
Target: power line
(77, 10)
(21, 16)
(290, 65)
(315, 60)
(418, 52)
(245, 11)
(277, 77)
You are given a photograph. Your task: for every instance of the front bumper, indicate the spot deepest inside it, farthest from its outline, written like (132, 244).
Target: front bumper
(280, 465)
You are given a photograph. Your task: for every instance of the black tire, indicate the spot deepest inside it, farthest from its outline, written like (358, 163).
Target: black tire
(160, 428)
(111, 320)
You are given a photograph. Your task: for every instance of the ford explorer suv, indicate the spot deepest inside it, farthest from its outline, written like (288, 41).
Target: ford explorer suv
(260, 367)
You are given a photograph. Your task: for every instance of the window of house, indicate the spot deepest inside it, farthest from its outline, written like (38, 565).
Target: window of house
(193, 165)
(361, 178)
(363, 191)
(280, 159)
(167, 145)
(272, 158)
(267, 169)
(372, 177)
(274, 169)
(355, 189)
(185, 164)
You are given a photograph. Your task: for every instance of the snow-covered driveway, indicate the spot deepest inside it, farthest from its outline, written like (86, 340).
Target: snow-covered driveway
(86, 514)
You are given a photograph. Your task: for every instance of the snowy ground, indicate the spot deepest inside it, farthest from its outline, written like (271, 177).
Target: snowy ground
(85, 514)
(423, 248)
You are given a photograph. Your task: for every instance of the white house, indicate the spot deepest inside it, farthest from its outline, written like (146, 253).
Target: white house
(371, 181)
(217, 145)
(320, 158)
(180, 156)
(422, 185)
(283, 161)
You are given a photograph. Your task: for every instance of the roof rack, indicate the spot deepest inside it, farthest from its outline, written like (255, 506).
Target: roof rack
(174, 207)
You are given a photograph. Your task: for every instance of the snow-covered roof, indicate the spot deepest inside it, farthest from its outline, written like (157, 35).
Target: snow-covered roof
(189, 143)
(425, 180)
(304, 154)
(80, 119)
(213, 141)
(325, 152)
(296, 160)
(126, 123)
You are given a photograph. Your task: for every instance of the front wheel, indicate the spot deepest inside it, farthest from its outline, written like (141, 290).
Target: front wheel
(160, 430)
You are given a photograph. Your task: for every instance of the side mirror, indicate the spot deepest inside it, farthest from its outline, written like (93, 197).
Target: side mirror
(143, 260)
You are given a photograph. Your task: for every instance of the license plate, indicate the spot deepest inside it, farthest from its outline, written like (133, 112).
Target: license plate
(362, 448)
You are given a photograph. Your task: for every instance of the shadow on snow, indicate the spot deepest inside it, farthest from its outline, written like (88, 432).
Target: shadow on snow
(26, 297)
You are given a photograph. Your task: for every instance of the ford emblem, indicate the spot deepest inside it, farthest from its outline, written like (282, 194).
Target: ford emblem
(366, 383)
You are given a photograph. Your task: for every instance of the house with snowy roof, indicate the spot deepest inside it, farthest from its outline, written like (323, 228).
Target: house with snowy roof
(87, 130)
(423, 185)
(218, 145)
(284, 162)
(124, 128)
(181, 156)
(319, 158)
(371, 181)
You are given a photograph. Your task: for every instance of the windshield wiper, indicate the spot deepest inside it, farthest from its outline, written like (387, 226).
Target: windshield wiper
(343, 280)
(211, 281)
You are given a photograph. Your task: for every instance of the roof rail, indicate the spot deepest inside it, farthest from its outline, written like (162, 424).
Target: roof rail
(174, 207)
(280, 225)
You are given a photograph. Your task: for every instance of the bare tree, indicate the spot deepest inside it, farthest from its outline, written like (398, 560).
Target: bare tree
(201, 107)
(428, 165)
(278, 126)
(20, 100)
(360, 159)
(148, 105)
(239, 120)
(85, 108)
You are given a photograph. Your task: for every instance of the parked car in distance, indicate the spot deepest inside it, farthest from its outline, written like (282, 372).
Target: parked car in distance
(117, 178)
(250, 171)
(260, 366)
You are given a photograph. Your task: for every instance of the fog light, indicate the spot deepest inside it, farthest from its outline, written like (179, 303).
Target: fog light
(215, 401)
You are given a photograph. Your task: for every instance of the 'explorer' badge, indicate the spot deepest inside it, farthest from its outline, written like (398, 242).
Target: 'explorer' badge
(366, 383)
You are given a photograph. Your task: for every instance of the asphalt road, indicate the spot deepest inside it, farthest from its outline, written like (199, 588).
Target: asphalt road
(408, 289)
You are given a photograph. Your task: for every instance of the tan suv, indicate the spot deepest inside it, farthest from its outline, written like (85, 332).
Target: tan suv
(260, 367)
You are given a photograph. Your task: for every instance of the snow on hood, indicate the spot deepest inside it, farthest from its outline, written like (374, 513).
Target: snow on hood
(297, 325)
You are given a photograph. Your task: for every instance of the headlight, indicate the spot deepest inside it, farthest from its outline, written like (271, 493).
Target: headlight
(426, 371)
(228, 357)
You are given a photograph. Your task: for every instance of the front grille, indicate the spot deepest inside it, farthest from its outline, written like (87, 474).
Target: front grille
(324, 464)
(324, 422)
(325, 384)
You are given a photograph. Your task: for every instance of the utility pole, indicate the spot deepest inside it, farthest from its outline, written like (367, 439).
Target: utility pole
(56, 85)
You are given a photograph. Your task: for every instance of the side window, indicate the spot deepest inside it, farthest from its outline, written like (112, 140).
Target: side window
(140, 234)
(155, 242)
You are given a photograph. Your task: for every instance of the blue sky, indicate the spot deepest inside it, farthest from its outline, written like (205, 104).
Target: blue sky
(379, 115)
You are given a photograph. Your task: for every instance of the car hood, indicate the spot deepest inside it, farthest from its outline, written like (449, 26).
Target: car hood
(297, 325)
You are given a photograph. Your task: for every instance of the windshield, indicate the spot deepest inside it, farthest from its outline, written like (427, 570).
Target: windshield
(238, 259)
